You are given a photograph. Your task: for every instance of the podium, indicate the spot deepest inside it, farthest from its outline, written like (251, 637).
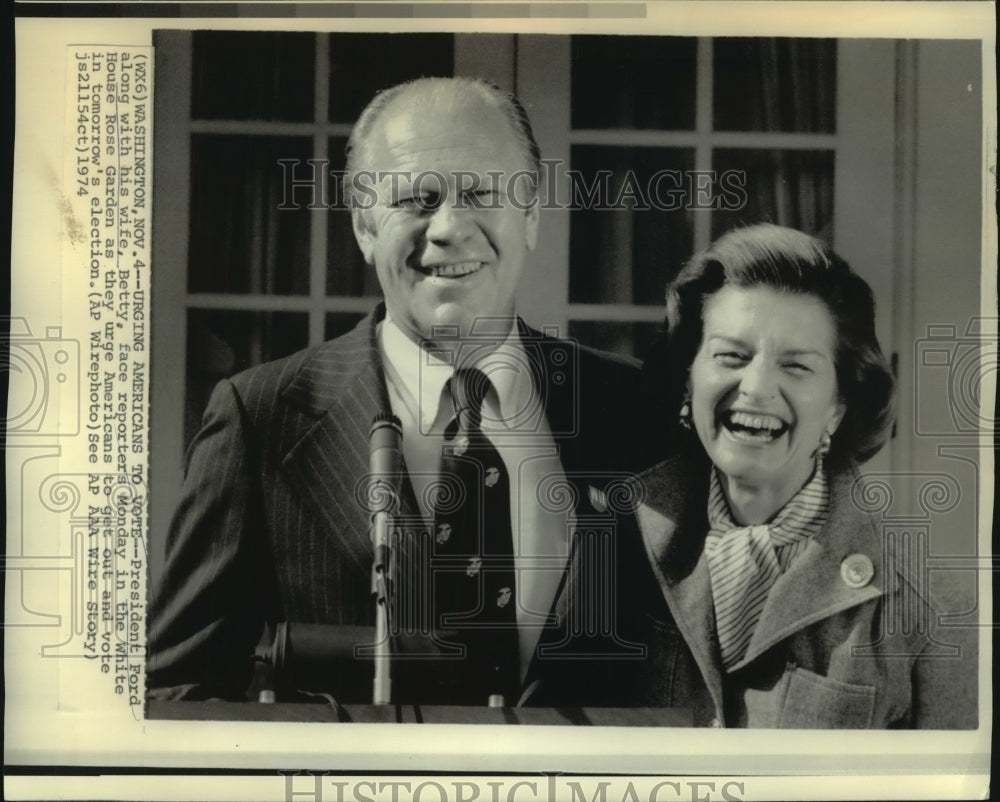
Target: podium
(213, 710)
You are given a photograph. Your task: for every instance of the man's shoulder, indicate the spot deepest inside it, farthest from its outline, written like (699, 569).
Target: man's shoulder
(316, 365)
(590, 360)
(609, 362)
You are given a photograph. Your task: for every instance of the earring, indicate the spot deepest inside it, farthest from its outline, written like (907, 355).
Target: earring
(684, 416)
(824, 445)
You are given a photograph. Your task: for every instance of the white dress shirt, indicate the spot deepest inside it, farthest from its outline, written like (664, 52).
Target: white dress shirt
(416, 380)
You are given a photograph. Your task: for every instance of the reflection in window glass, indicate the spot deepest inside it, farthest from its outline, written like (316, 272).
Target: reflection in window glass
(346, 270)
(222, 343)
(645, 82)
(363, 63)
(252, 75)
(621, 252)
(768, 84)
(241, 241)
(628, 339)
(788, 187)
(338, 323)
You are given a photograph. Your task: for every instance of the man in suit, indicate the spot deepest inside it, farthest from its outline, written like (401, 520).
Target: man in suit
(442, 180)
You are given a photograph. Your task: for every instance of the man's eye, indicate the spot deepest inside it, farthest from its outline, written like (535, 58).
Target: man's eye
(480, 199)
(414, 202)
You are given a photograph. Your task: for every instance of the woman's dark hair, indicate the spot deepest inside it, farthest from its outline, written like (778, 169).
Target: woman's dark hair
(793, 262)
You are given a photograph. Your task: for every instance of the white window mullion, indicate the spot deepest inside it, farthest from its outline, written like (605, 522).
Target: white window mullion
(318, 221)
(703, 127)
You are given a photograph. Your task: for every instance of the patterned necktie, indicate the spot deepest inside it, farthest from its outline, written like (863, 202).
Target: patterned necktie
(744, 562)
(474, 580)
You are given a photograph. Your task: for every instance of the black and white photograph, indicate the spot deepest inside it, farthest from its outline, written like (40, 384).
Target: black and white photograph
(551, 396)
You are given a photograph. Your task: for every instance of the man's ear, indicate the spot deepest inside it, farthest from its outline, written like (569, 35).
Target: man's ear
(364, 235)
(531, 226)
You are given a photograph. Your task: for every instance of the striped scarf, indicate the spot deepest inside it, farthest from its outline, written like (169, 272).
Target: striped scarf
(744, 562)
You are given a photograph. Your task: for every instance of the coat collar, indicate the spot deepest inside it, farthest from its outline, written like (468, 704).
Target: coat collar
(673, 524)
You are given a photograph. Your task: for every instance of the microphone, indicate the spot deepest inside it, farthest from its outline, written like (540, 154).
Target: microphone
(314, 658)
(385, 462)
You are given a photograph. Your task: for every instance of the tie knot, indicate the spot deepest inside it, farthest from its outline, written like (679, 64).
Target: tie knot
(468, 390)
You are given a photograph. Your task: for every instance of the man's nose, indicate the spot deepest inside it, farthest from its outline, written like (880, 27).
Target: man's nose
(449, 223)
(758, 379)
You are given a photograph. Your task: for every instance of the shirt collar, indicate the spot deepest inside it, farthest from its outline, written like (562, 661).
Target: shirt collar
(424, 375)
(802, 516)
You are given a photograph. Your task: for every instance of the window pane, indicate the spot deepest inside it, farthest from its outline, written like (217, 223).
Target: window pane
(222, 343)
(633, 82)
(362, 63)
(773, 84)
(253, 75)
(788, 187)
(346, 271)
(338, 323)
(240, 240)
(628, 339)
(619, 252)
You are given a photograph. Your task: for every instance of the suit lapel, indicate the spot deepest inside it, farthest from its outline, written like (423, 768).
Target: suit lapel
(561, 401)
(342, 385)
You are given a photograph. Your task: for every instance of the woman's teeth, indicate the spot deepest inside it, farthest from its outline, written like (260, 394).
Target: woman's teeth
(454, 271)
(754, 427)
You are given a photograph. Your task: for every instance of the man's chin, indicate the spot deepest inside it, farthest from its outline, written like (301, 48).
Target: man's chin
(454, 321)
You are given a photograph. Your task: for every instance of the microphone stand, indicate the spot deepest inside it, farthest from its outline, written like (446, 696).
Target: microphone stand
(385, 455)
(382, 526)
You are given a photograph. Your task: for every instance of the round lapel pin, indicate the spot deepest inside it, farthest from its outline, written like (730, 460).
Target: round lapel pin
(857, 570)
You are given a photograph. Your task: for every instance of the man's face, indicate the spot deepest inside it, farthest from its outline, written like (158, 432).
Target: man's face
(448, 232)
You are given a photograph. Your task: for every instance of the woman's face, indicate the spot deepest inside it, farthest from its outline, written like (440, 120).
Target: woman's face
(764, 386)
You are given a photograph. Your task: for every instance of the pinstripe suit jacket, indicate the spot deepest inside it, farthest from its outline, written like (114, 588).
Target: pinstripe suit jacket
(269, 529)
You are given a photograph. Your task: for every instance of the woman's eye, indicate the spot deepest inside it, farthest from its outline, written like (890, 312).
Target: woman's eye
(797, 367)
(730, 358)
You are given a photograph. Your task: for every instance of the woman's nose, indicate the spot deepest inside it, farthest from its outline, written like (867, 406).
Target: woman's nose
(758, 380)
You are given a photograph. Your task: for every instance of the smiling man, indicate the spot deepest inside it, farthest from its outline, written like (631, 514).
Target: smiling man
(516, 426)
(446, 225)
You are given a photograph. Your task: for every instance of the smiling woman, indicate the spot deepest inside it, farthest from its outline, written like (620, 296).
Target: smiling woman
(763, 394)
(787, 609)
(762, 592)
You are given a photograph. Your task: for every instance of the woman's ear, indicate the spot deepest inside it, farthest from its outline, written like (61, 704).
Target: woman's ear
(838, 416)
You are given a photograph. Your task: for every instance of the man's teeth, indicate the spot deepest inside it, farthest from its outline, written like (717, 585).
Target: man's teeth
(454, 271)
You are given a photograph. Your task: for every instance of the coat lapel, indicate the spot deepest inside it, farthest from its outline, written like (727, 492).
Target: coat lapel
(672, 522)
(343, 387)
(813, 589)
(673, 530)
